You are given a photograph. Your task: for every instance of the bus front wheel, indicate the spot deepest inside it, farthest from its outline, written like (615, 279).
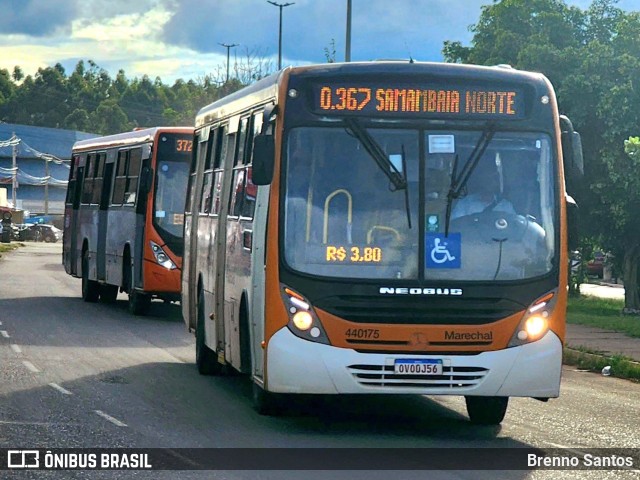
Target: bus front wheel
(90, 288)
(266, 403)
(206, 360)
(486, 410)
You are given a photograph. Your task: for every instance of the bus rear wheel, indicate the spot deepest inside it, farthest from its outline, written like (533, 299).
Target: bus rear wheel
(486, 410)
(206, 359)
(90, 288)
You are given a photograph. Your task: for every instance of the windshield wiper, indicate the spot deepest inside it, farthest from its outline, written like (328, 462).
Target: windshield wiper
(407, 205)
(395, 176)
(458, 182)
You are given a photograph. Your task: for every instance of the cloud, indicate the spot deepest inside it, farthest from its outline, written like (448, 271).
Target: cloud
(380, 28)
(37, 18)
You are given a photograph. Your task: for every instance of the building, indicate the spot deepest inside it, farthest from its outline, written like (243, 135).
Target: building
(42, 159)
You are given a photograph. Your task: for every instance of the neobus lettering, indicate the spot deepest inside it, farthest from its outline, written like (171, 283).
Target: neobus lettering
(419, 291)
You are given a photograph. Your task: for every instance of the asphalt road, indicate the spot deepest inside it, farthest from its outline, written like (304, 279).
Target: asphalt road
(90, 375)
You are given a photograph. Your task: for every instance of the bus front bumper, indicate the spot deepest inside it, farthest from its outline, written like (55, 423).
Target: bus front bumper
(295, 365)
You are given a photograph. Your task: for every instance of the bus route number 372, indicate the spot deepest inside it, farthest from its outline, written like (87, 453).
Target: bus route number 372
(410, 366)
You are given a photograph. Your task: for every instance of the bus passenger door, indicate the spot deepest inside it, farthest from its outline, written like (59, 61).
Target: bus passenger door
(102, 190)
(221, 320)
(72, 203)
(139, 159)
(237, 272)
(191, 219)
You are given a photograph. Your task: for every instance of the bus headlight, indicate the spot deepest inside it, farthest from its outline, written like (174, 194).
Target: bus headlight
(303, 322)
(161, 256)
(534, 324)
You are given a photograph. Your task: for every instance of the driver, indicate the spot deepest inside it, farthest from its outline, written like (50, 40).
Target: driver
(484, 192)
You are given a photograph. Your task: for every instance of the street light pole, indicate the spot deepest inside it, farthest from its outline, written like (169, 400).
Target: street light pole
(228, 46)
(347, 48)
(280, 6)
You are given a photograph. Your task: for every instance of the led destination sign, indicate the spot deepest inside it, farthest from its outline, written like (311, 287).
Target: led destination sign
(428, 100)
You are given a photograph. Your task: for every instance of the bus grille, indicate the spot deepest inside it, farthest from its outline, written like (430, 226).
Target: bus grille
(452, 377)
(412, 310)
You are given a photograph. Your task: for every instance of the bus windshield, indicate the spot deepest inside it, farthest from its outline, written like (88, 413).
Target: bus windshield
(344, 218)
(172, 172)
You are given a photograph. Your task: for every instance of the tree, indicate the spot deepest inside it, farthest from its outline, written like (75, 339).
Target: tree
(17, 74)
(330, 51)
(591, 58)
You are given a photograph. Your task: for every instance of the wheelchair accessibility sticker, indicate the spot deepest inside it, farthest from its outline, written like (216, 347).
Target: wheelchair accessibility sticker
(442, 251)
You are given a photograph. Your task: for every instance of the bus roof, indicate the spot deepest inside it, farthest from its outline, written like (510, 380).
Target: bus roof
(127, 138)
(262, 90)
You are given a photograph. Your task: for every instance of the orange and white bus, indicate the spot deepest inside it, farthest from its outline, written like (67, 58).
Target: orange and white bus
(124, 215)
(334, 243)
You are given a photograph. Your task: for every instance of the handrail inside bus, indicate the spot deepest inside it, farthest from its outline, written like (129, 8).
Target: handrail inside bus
(325, 226)
(384, 228)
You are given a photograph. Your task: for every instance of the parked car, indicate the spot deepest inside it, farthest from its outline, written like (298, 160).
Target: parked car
(40, 233)
(596, 265)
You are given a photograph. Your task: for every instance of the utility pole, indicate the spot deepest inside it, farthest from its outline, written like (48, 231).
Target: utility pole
(14, 176)
(46, 186)
(280, 6)
(228, 46)
(347, 48)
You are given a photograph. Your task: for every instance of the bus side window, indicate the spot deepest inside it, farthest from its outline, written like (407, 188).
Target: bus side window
(193, 172)
(239, 171)
(98, 177)
(121, 178)
(210, 152)
(224, 142)
(87, 189)
(73, 172)
(250, 190)
(133, 173)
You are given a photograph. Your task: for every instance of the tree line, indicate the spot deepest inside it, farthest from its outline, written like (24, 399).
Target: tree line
(90, 100)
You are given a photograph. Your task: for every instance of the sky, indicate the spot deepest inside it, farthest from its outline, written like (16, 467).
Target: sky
(174, 39)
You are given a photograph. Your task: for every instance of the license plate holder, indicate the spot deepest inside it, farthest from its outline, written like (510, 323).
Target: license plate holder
(417, 366)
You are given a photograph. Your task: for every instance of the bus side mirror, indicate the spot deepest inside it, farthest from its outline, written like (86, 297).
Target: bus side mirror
(263, 159)
(573, 233)
(571, 151)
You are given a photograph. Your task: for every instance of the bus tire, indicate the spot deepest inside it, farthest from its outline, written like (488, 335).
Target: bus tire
(108, 293)
(90, 288)
(139, 303)
(245, 338)
(486, 410)
(266, 403)
(206, 359)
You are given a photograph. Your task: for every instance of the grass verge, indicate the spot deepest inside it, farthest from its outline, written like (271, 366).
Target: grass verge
(603, 313)
(607, 314)
(7, 247)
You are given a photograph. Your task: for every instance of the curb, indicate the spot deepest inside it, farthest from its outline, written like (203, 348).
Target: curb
(621, 367)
